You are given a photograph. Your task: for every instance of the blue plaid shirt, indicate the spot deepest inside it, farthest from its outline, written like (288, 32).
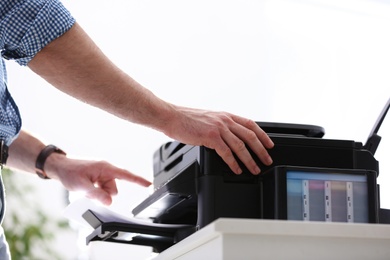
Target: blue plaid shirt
(26, 26)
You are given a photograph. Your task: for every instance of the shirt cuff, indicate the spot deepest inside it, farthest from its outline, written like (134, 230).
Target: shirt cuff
(36, 24)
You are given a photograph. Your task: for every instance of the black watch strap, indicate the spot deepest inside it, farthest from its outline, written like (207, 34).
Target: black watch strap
(3, 153)
(41, 159)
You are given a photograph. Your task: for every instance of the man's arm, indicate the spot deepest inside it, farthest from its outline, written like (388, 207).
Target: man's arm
(75, 65)
(97, 179)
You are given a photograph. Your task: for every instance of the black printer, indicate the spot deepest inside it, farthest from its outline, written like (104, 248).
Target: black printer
(311, 179)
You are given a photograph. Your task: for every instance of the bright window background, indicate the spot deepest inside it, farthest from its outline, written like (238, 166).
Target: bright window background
(310, 62)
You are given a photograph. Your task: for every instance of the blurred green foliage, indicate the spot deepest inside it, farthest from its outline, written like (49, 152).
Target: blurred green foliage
(28, 228)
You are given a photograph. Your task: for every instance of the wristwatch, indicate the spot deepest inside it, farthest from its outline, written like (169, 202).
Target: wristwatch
(41, 159)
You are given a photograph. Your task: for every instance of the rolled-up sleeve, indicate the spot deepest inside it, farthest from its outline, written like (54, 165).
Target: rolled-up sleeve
(28, 26)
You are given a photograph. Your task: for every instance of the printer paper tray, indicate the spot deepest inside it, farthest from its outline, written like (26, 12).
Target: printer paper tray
(158, 236)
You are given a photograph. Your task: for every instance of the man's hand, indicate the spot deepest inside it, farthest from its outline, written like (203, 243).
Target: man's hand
(97, 179)
(228, 134)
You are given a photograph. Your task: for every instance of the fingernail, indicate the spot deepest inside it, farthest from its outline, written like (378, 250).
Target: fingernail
(269, 160)
(257, 170)
(238, 171)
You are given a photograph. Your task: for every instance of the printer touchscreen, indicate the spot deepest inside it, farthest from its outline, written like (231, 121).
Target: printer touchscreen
(317, 196)
(320, 194)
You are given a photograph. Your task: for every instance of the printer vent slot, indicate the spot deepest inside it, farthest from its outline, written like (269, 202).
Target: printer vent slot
(177, 148)
(173, 163)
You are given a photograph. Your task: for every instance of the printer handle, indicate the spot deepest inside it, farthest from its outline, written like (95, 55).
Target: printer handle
(292, 129)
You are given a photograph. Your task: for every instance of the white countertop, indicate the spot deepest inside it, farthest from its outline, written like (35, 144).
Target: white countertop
(277, 239)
